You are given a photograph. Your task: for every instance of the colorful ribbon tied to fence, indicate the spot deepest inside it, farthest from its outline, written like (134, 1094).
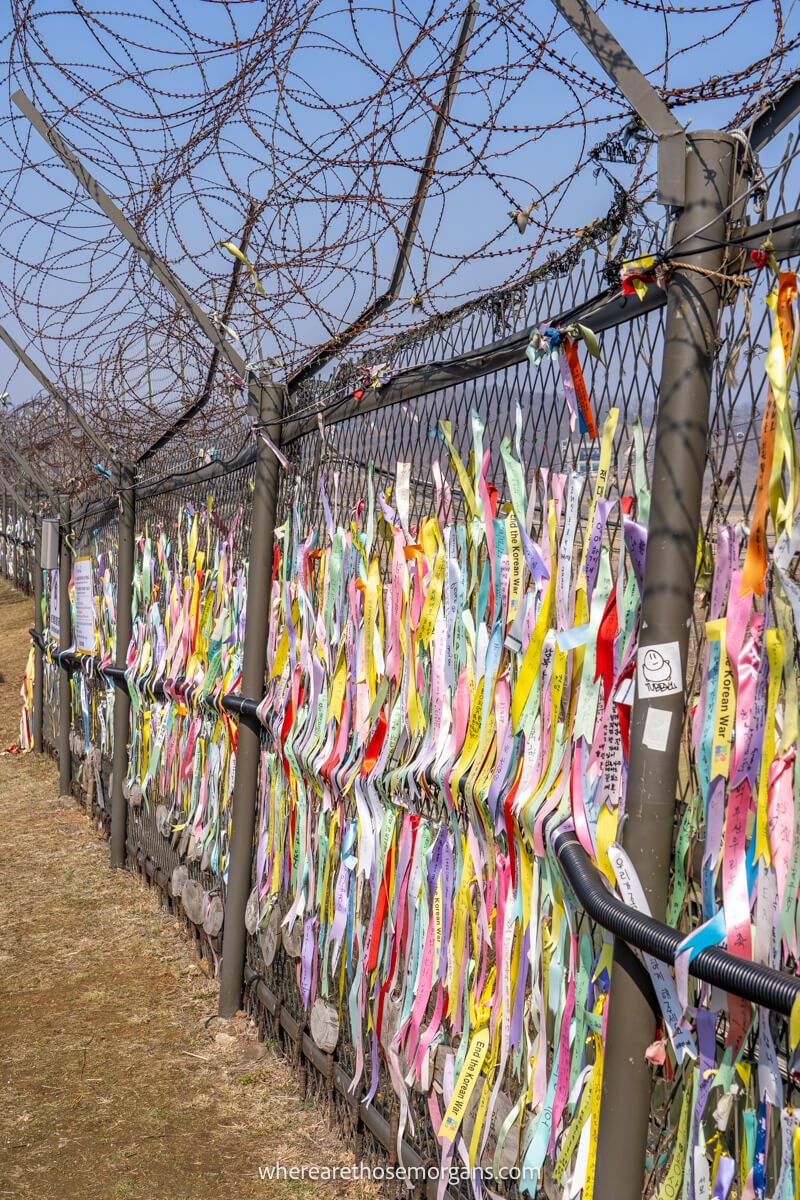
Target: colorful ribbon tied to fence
(444, 693)
(451, 670)
(188, 630)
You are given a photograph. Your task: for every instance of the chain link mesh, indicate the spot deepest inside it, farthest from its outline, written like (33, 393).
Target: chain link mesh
(226, 502)
(344, 452)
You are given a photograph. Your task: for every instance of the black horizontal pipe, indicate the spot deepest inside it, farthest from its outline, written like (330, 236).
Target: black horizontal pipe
(600, 313)
(759, 984)
(243, 705)
(231, 702)
(752, 981)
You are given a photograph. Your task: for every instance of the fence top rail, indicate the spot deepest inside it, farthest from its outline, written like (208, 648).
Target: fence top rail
(104, 508)
(609, 310)
(600, 313)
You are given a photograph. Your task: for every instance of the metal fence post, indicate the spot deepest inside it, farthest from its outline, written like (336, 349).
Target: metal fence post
(18, 534)
(667, 606)
(265, 502)
(33, 516)
(26, 553)
(38, 624)
(122, 700)
(64, 640)
(15, 543)
(19, 543)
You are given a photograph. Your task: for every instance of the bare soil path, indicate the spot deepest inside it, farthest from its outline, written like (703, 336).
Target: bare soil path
(111, 1083)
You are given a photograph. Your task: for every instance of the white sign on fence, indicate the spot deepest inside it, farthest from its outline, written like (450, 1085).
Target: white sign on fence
(84, 606)
(54, 624)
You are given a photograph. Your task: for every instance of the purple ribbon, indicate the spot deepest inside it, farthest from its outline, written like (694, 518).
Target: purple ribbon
(726, 1169)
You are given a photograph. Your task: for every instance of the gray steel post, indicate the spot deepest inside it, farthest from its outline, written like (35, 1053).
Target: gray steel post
(64, 640)
(38, 622)
(14, 540)
(30, 473)
(265, 501)
(122, 700)
(160, 269)
(20, 544)
(667, 605)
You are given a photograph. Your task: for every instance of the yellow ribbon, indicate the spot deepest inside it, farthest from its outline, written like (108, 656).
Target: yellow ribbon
(245, 261)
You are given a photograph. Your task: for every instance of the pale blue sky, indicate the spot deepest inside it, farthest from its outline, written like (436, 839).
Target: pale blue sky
(467, 242)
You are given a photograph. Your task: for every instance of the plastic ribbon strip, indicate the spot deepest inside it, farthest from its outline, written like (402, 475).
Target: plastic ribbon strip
(437, 689)
(26, 715)
(188, 630)
(445, 690)
(560, 346)
(92, 694)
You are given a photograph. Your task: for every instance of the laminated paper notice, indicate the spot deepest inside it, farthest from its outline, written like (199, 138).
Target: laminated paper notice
(656, 728)
(55, 607)
(84, 606)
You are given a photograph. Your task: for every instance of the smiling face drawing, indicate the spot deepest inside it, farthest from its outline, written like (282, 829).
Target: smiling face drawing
(655, 667)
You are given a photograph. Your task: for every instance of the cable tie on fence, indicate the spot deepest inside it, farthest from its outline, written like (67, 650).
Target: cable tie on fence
(281, 457)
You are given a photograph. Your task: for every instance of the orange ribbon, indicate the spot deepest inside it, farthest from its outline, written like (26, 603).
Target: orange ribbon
(581, 394)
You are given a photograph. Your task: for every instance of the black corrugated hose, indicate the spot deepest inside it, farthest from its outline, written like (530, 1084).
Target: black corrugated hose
(759, 984)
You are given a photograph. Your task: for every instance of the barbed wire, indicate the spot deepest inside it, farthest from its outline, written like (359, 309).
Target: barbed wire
(318, 113)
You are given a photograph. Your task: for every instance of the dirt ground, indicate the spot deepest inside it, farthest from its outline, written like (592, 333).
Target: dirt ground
(111, 1082)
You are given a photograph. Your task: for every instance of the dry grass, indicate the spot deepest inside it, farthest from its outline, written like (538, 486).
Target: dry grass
(111, 1084)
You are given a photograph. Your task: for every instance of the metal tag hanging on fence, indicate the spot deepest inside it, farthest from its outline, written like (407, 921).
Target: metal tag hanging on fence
(193, 900)
(324, 1026)
(269, 935)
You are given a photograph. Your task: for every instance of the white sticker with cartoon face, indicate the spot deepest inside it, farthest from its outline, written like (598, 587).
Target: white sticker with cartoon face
(659, 670)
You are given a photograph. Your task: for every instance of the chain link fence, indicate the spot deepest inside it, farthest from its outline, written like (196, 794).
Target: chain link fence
(188, 484)
(17, 545)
